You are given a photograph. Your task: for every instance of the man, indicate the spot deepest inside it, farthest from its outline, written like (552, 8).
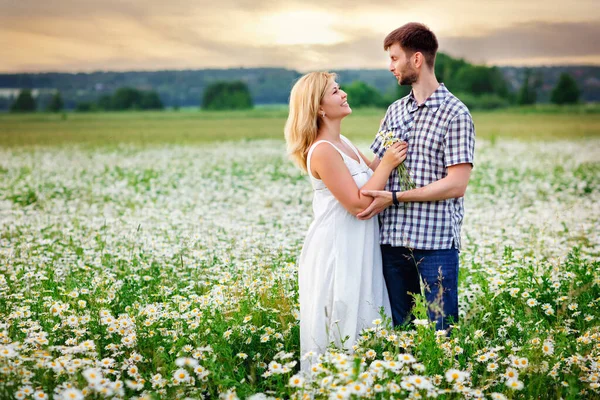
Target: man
(420, 228)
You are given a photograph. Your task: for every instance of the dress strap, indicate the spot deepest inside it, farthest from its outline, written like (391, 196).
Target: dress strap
(309, 155)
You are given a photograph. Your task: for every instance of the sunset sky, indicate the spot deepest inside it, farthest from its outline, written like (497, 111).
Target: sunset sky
(84, 35)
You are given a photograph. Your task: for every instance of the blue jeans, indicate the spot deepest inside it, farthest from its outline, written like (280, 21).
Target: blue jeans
(437, 268)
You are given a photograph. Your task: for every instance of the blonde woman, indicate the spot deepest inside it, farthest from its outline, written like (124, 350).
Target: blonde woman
(341, 282)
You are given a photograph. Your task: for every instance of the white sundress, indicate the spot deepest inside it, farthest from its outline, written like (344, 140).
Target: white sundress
(340, 277)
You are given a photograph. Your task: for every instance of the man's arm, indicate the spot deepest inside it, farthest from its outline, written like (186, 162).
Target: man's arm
(459, 152)
(452, 186)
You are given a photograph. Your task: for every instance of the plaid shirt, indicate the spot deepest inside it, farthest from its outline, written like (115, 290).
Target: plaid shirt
(440, 133)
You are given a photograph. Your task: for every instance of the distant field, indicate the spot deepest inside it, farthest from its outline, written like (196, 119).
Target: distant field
(186, 127)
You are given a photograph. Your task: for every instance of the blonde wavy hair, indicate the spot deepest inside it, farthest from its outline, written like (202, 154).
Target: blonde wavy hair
(303, 120)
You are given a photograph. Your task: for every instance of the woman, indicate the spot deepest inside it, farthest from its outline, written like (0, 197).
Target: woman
(340, 278)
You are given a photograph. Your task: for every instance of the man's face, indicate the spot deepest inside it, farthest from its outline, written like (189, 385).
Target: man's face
(402, 66)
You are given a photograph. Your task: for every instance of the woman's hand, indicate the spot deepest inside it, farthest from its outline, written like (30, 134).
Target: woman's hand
(394, 155)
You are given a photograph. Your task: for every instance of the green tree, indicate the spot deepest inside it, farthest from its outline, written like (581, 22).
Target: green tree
(527, 94)
(24, 102)
(446, 69)
(565, 91)
(479, 80)
(486, 101)
(85, 106)
(402, 90)
(105, 102)
(127, 98)
(362, 95)
(151, 101)
(227, 96)
(56, 103)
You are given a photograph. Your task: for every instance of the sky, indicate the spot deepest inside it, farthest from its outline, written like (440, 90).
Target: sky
(120, 35)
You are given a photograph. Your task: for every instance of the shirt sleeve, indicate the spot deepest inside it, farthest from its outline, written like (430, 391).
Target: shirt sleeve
(377, 145)
(460, 141)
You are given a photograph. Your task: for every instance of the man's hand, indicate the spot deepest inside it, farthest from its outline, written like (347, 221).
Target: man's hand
(381, 201)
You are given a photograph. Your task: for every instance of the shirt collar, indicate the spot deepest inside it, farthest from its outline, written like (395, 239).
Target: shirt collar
(433, 102)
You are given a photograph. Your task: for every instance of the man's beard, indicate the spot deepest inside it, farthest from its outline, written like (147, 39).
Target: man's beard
(409, 76)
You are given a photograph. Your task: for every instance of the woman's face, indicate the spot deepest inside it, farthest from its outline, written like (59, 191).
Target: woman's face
(334, 103)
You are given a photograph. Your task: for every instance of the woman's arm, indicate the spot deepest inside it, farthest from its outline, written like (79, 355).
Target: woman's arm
(329, 166)
(372, 164)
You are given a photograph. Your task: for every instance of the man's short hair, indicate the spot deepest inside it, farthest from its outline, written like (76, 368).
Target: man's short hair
(414, 37)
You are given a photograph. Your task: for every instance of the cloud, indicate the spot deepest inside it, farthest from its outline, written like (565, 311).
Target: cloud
(565, 43)
(136, 8)
(535, 40)
(85, 35)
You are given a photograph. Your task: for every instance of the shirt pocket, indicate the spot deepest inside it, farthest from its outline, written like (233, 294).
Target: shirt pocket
(401, 128)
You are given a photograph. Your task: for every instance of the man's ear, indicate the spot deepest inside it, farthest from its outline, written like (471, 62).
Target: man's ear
(419, 59)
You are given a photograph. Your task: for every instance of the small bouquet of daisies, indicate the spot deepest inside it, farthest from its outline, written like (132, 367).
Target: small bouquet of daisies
(406, 182)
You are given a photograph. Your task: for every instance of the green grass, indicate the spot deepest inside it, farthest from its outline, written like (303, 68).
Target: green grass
(193, 127)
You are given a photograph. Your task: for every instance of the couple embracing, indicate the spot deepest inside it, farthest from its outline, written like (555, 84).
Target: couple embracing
(372, 241)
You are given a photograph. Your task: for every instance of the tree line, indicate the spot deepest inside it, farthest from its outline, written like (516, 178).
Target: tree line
(218, 96)
(124, 99)
(177, 88)
(479, 87)
(566, 90)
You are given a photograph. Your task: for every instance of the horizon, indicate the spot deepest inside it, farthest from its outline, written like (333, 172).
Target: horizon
(275, 67)
(85, 36)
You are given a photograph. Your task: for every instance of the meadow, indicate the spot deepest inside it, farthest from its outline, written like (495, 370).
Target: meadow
(194, 127)
(153, 256)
